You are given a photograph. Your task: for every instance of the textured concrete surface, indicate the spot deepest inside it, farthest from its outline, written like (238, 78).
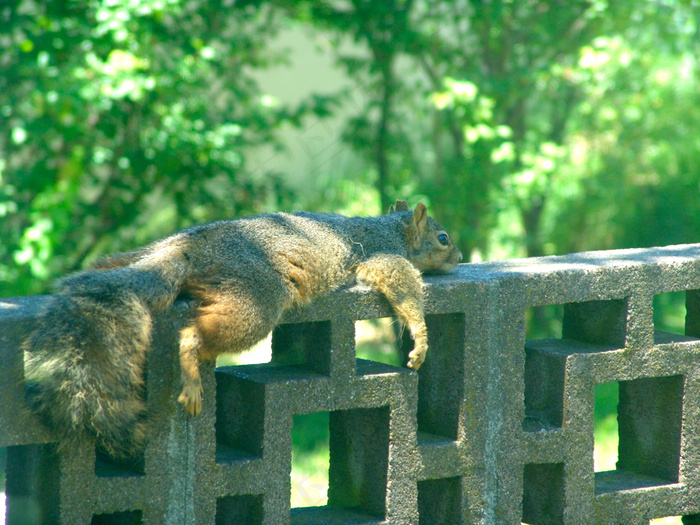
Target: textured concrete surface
(493, 429)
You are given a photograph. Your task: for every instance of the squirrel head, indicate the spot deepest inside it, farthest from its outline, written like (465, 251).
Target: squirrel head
(430, 248)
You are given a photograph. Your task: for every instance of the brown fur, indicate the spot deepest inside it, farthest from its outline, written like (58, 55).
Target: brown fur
(88, 352)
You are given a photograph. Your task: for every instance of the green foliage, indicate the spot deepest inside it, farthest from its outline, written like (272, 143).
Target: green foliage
(532, 127)
(638, 143)
(124, 120)
(605, 426)
(529, 127)
(469, 142)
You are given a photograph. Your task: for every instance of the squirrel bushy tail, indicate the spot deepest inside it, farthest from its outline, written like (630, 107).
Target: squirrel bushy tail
(84, 361)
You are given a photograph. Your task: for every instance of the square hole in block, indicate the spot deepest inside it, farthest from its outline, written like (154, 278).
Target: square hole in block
(676, 316)
(605, 427)
(240, 417)
(257, 354)
(544, 322)
(3, 465)
(310, 460)
(375, 340)
(590, 326)
(359, 459)
(239, 510)
(441, 376)
(649, 428)
(32, 484)
(544, 386)
(440, 501)
(543, 493)
(110, 466)
(129, 517)
(305, 344)
(331, 515)
(669, 312)
(692, 313)
(597, 323)
(358, 451)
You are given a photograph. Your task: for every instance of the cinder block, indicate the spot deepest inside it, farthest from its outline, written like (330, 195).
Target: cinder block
(494, 429)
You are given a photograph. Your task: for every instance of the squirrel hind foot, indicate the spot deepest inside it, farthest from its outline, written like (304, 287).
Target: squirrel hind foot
(191, 399)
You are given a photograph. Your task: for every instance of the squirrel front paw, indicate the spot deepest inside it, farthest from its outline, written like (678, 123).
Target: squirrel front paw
(417, 356)
(191, 398)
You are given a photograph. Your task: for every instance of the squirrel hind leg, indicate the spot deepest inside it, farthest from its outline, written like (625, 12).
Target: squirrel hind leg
(229, 323)
(190, 347)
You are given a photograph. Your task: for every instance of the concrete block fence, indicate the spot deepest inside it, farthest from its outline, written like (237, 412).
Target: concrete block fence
(494, 428)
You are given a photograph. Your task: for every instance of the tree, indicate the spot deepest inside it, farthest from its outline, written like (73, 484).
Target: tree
(496, 99)
(382, 29)
(497, 106)
(122, 120)
(529, 127)
(635, 137)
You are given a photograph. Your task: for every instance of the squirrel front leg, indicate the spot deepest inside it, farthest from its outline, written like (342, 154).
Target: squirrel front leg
(400, 282)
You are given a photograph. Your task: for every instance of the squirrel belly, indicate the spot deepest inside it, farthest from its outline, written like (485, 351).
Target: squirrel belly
(84, 361)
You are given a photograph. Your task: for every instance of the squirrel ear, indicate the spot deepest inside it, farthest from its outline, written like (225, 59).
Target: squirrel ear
(400, 206)
(420, 217)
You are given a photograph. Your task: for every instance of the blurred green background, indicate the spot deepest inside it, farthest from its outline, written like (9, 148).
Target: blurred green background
(528, 127)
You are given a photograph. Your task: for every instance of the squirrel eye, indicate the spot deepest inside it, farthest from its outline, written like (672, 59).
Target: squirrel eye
(444, 239)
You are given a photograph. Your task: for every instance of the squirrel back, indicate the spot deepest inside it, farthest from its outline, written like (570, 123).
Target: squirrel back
(86, 357)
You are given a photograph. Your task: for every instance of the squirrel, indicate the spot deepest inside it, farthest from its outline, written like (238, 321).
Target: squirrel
(85, 359)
